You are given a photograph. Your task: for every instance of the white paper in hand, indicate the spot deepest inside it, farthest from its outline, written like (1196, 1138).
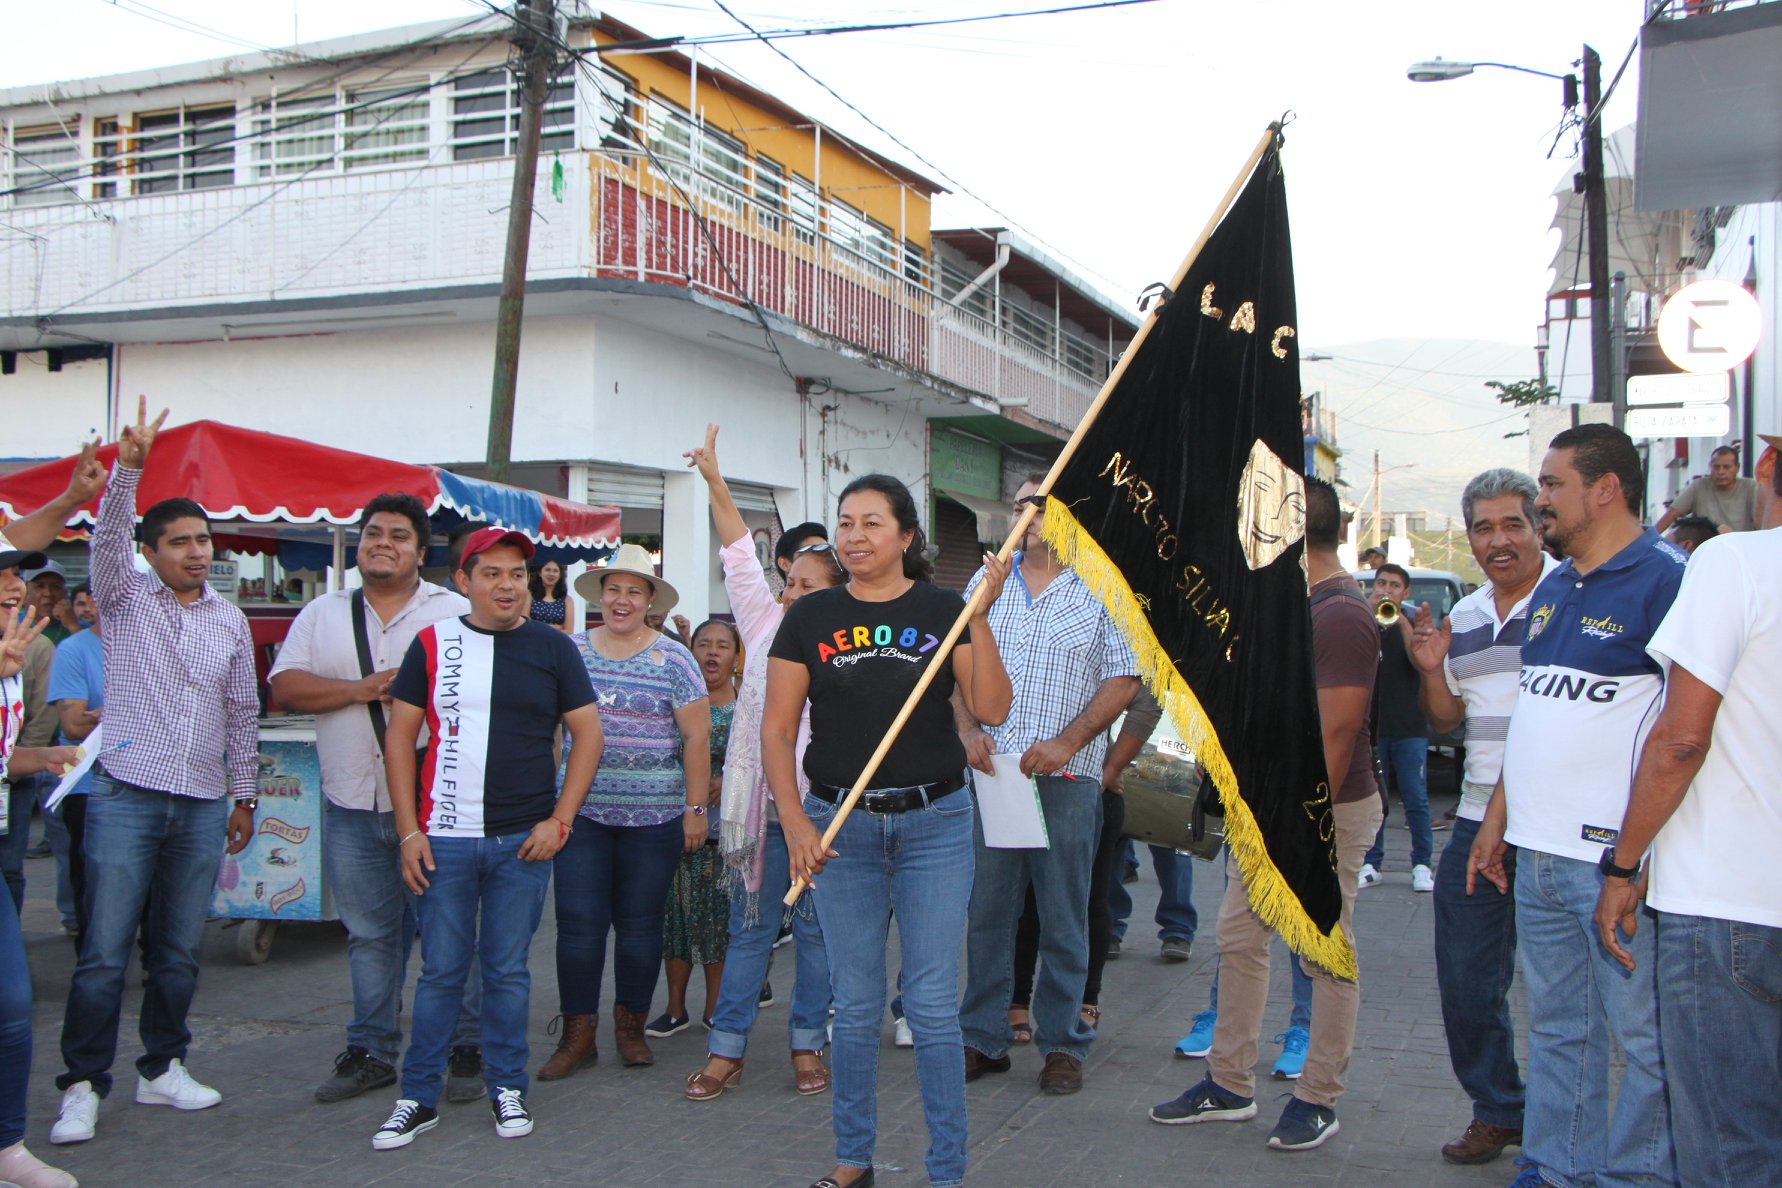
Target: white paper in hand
(91, 747)
(1009, 806)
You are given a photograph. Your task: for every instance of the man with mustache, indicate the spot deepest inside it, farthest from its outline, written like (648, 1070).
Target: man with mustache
(1468, 667)
(1587, 694)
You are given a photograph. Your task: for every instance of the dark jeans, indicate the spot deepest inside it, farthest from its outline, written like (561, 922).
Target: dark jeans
(1026, 952)
(613, 879)
(1102, 878)
(1475, 947)
(138, 842)
(15, 1029)
(13, 845)
(1407, 762)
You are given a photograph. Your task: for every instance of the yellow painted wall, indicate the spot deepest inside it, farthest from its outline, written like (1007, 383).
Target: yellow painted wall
(845, 176)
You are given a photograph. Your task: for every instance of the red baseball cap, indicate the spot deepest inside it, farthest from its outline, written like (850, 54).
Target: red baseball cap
(484, 539)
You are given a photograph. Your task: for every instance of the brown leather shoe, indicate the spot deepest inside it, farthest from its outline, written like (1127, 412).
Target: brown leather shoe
(575, 1047)
(628, 1031)
(1481, 1143)
(977, 1064)
(1063, 1074)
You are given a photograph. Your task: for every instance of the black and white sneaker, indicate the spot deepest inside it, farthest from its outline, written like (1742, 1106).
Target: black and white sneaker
(665, 1025)
(408, 1119)
(1303, 1126)
(356, 1071)
(1205, 1102)
(512, 1120)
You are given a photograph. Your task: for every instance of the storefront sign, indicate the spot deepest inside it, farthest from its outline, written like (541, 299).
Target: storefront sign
(1709, 326)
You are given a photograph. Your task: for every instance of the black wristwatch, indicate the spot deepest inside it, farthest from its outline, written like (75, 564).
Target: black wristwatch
(1607, 865)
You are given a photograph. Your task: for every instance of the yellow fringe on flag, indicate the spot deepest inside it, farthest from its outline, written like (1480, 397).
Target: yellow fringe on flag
(1270, 896)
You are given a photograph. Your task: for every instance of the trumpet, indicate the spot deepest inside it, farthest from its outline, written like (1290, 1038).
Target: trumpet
(1387, 613)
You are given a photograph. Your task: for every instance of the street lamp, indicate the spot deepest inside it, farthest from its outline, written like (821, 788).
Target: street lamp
(1589, 182)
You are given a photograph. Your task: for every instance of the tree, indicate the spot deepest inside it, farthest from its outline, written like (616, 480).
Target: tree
(1524, 393)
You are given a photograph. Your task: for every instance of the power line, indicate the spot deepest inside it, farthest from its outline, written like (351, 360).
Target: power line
(962, 187)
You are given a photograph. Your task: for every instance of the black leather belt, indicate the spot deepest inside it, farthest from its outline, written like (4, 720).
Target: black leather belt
(891, 800)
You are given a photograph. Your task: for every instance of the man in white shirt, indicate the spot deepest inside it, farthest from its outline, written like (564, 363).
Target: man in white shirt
(1469, 667)
(1706, 789)
(318, 672)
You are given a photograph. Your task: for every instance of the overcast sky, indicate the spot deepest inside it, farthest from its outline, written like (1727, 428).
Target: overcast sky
(1420, 211)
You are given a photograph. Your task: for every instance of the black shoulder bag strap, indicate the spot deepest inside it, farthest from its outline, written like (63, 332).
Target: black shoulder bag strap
(362, 642)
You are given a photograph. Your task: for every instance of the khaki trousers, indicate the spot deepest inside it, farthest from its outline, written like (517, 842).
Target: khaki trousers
(1243, 979)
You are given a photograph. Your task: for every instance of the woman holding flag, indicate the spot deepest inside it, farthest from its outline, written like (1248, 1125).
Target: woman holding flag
(857, 652)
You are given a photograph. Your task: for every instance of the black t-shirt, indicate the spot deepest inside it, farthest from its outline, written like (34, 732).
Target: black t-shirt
(864, 658)
(493, 700)
(1400, 711)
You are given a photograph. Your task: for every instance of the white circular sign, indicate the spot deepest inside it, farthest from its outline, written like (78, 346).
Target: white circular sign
(1711, 325)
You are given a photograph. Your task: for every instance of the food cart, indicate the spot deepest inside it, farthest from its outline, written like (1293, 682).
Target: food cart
(295, 506)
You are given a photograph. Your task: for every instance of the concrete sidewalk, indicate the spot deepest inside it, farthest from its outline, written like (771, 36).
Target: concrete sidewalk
(266, 1035)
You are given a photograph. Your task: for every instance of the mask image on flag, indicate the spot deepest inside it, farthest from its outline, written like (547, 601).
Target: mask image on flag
(1183, 509)
(1271, 506)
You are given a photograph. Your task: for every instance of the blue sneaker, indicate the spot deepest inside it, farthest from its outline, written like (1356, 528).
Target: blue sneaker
(1206, 1102)
(1199, 1040)
(1530, 1175)
(1303, 1126)
(1293, 1043)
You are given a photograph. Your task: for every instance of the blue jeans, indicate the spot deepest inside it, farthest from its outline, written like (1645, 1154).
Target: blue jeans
(751, 948)
(1176, 917)
(1407, 761)
(364, 867)
(15, 1029)
(918, 864)
(1060, 878)
(482, 903)
(614, 879)
(1577, 994)
(138, 840)
(1720, 995)
(1475, 951)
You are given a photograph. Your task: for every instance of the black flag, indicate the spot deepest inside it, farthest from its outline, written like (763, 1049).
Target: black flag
(1183, 507)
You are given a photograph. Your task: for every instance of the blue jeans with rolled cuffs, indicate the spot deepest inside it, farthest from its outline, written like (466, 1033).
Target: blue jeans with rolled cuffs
(751, 948)
(140, 841)
(1720, 999)
(918, 864)
(1577, 995)
(481, 906)
(364, 866)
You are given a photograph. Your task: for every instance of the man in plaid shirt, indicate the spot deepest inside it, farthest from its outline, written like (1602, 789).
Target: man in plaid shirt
(180, 692)
(1072, 673)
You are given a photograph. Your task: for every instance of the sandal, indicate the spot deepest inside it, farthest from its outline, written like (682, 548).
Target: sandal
(809, 1079)
(1090, 1015)
(861, 1181)
(1022, 1027)
(702, 1086)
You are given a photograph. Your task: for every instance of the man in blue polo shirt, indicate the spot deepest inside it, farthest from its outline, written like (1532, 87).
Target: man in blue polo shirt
(1588, 694)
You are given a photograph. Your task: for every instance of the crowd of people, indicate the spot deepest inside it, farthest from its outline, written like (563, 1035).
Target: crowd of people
(479, 753)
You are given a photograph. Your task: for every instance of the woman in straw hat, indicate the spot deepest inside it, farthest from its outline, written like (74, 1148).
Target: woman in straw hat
(648, 805)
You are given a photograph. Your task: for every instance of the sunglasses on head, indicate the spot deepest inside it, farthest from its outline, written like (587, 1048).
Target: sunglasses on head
(824, 547)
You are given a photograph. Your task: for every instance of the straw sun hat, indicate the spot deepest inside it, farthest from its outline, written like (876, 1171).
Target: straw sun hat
(634, 560)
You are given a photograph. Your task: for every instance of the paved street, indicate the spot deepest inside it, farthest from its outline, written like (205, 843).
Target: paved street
(266, 1035)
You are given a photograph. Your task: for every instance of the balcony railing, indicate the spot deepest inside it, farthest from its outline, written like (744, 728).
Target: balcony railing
(396, 229)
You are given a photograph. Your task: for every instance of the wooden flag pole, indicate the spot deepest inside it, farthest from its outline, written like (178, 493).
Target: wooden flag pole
(1027, 513)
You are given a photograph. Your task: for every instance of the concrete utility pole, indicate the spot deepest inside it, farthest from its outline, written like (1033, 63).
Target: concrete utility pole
(1376, 495)
(534, 30)
(1596, 232)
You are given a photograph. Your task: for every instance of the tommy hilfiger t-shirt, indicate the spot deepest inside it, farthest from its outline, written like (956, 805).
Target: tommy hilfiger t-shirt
(493, 700)
(1588, 695)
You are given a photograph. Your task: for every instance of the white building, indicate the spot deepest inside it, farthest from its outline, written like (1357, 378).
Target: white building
(310, 242)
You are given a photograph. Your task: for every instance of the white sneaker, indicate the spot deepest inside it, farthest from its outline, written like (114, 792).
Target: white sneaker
(176, 1088)
(512, 1118)
(79, 1116)
(905, 1037)
(1369, 876)
(1422, 879)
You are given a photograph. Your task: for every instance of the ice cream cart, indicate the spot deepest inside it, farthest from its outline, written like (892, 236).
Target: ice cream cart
(301, 502)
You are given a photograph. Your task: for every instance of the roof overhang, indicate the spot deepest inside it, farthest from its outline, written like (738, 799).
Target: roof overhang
(1034, 272)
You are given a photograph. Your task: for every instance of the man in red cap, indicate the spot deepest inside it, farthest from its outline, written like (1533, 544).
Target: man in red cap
(477, 840)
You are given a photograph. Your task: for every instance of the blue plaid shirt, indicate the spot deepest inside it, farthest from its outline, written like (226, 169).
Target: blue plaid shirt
(1058, 648)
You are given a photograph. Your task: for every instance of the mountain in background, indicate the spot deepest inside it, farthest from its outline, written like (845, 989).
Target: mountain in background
(1423, 404)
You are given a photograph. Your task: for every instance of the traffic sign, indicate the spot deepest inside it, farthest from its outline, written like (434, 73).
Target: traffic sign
(1679, 388)
(1693, 420)
(1708, 326)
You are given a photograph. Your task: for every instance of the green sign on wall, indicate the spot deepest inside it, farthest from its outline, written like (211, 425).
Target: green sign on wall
(968, 465)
